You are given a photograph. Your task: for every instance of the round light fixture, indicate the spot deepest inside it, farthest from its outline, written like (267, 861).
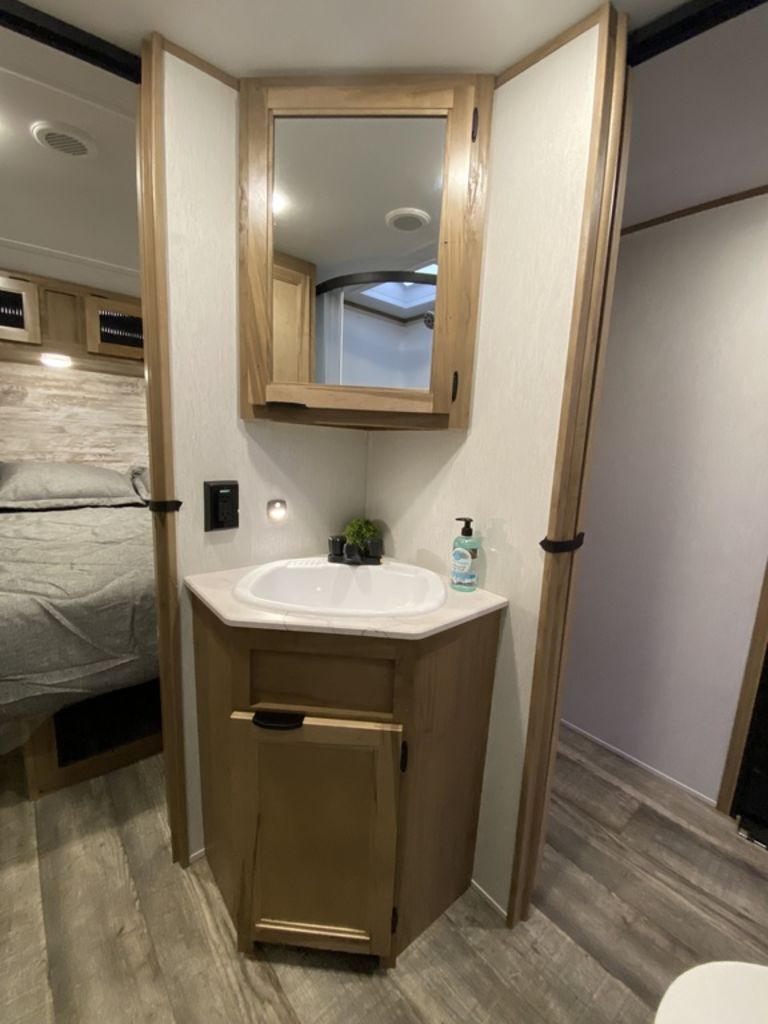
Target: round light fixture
(56, 360)
(280, 203)
(63, 138)
(277, 509)
(407, 218)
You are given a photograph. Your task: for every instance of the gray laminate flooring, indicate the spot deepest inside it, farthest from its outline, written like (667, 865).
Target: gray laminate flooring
(639, 882)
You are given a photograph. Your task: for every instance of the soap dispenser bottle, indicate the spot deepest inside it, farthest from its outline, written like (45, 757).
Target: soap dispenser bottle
(464, 557)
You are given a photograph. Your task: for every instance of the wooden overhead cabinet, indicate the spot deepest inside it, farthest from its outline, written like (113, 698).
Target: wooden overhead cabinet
(19, 311)
(114, 327)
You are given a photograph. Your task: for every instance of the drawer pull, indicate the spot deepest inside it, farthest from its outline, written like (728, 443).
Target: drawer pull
(278, 719)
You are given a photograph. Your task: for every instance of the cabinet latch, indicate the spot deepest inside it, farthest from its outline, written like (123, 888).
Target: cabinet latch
(404, 756)
(394, 919)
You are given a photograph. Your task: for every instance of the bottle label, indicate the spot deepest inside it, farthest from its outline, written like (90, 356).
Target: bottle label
(462, 570)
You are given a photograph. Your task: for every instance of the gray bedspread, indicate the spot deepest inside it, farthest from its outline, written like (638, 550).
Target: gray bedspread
(77, 610)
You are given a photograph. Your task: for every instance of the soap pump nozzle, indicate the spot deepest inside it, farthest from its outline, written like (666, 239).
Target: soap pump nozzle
(466, 530)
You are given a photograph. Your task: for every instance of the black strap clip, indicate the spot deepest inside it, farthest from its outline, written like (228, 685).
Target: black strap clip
(561, 547)
(173, 505)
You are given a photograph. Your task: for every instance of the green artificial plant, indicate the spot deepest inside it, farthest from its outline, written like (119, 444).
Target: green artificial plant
(359, 531)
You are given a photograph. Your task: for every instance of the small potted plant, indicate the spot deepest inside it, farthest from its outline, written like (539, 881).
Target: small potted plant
(363, 541)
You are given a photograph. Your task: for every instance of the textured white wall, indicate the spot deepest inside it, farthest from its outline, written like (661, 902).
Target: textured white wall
(501, 470)
(321, 472)
(677, 501)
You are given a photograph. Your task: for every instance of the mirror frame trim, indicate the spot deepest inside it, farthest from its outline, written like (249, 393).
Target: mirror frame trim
(455, 97)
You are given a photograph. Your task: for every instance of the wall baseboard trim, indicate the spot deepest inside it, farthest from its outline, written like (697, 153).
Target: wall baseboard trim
(488, 898)
(640, 764)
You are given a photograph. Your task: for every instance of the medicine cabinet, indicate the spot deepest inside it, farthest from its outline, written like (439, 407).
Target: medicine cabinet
(360, 246)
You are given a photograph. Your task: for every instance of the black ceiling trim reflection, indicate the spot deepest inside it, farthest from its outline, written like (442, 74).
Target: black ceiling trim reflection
(684, 22)
(44, 28)
(375, 277)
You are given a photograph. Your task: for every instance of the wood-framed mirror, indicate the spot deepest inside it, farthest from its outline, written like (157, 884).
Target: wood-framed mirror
(362, 204)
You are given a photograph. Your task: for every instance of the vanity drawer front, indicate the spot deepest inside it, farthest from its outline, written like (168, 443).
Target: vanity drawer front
(322, 681)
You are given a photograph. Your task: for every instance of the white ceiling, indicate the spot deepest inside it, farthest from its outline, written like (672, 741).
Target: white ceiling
(341, 176)
(699, 123)
(62, 216)
(245, 37)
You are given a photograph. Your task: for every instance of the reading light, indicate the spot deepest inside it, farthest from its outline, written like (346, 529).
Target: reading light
(277, 510)
(56, 360)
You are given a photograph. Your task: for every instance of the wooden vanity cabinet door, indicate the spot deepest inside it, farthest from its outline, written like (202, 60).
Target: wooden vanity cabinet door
(315, 830)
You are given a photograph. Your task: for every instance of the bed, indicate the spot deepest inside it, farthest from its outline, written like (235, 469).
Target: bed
(77, 596)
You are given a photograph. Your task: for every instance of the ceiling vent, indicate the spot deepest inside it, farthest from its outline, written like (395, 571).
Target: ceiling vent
(407, 218)
(63, 138)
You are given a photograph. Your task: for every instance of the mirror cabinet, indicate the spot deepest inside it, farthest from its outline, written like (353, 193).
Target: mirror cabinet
(361, 228)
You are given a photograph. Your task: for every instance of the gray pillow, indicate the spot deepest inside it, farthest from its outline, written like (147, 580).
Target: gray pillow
(33, 486)
(140, 481)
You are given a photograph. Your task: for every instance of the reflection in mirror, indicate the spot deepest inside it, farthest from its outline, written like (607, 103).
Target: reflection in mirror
(356, 224)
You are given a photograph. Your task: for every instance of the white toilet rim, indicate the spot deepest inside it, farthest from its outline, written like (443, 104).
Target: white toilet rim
(722, 992)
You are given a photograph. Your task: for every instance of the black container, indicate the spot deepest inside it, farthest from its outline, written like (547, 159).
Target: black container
(374, 548)
(336, 545)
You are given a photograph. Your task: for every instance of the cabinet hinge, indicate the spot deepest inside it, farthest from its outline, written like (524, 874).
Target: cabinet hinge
(394, 920)
(404, 756)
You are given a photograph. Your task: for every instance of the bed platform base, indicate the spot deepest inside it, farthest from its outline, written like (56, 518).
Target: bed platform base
(91, 739)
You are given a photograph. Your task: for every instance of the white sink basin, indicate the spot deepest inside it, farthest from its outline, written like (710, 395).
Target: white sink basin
(314, 586)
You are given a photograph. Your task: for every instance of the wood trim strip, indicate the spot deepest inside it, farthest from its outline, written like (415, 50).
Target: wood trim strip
(198, 62)
(689, 211)
(329, 396)
(554, 44)
(602, 208)
(746, 704)
(154, 288)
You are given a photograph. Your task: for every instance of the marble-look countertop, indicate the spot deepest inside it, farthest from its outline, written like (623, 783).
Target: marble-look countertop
(215, 590)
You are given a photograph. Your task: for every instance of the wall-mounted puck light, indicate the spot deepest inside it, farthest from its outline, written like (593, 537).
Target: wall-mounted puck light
(407, 218)
(277, 509)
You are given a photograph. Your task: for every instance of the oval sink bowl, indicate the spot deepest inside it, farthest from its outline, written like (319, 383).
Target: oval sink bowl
(314, 586)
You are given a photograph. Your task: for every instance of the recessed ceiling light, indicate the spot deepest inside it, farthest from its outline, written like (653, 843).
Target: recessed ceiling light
(280, 203)
(63, 138)
(56, 360)
(407, 218)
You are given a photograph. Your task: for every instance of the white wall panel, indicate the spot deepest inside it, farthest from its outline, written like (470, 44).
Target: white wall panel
(321, 472)
(677, 502)
(501, 471)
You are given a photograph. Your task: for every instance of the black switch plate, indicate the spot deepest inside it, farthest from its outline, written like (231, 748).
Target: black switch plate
(222, 504)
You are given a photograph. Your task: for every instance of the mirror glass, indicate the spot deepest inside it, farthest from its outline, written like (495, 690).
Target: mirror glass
(356, 222)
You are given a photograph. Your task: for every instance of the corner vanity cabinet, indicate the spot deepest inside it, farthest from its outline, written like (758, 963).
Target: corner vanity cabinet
(341, 776)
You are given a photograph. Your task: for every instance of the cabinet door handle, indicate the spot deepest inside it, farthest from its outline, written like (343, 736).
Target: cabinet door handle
(278, 719)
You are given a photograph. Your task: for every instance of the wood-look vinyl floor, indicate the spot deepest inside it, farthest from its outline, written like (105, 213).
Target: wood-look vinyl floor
(639, 882)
